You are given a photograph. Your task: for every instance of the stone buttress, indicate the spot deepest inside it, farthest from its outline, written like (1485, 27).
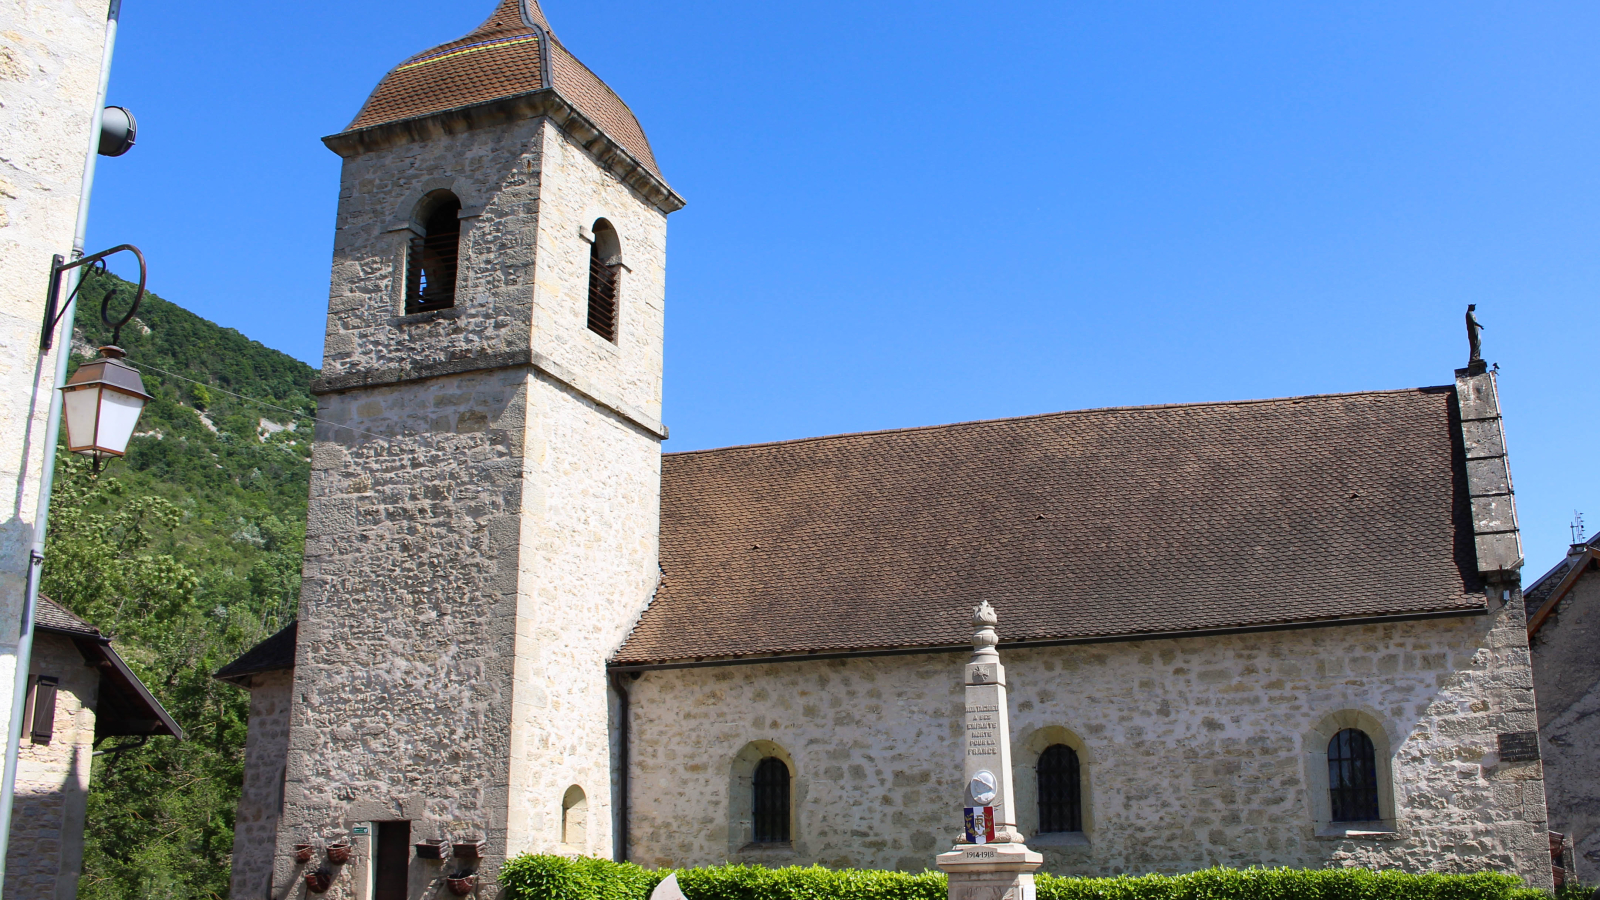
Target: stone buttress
(485, 482)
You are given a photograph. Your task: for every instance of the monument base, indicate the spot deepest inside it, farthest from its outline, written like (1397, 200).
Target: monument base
(990, 871)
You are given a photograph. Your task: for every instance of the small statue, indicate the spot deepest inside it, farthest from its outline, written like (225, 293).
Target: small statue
(1473, 327)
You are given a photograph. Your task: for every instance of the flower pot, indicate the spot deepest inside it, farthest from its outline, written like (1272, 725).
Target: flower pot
(434, 850)
(303, 853)
(319, 881)
(469, 850)
(339, 853)
(461, 884)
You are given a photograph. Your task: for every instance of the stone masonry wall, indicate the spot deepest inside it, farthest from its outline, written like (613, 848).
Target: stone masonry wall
(589, 530)
(49, 85)
(402, 694)
(575, 192)
(46, 852)
(495, 174)
(1566, 674)
(1197, 752)
(256, 823)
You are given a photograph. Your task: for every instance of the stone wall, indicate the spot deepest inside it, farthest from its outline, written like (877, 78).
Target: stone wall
(1197, 752)
(49, 86)
(589, 529)
(484, 508)
(46, 852)
(256, 822)
(402, 695)
(1566, 673)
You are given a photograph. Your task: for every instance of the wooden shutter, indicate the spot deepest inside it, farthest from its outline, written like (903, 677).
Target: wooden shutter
(44, 708)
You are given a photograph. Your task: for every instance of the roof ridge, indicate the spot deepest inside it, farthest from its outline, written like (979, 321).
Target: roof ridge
(1065, 412)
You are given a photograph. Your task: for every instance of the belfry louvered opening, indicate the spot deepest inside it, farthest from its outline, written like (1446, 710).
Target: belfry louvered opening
(433, 256)
(605, 267)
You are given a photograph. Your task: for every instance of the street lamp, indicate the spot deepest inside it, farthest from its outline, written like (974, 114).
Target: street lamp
(102, 400)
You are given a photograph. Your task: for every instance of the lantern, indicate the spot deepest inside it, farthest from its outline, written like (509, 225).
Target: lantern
(102, 401)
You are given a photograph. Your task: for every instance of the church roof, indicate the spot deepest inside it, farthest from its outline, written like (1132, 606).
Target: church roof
(1094, 525)
(513, 52)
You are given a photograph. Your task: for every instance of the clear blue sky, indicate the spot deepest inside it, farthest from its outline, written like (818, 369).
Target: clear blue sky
(907, 214)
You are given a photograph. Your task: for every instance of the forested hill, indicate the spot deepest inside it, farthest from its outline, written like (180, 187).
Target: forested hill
(188, 551)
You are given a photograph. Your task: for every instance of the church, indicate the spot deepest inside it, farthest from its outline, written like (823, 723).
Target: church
(1270, 632)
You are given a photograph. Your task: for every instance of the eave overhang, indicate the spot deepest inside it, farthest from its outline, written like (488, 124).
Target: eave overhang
(546, 102)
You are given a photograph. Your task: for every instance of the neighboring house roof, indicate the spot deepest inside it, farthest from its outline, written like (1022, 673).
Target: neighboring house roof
(272, 654)
(1541, 598)
(125, 706)
(1093, 525)
(513, 52)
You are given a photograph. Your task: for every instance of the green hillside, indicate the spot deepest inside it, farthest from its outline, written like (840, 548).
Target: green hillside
(188, 551)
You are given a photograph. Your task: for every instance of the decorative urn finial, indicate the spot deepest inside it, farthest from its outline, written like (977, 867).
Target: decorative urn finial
(984, 637)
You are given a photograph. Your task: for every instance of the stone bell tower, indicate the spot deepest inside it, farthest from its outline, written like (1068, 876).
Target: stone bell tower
(483, 516)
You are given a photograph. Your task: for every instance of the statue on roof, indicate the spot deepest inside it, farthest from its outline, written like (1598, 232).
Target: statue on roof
(1475, 360)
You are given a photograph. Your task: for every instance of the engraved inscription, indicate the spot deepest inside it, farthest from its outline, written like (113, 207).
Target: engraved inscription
(983, 730)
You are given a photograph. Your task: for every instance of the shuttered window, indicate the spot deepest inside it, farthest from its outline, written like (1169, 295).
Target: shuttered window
(602, 294)
(432, 257)
(42, 712)
(1353, 777)
(1060, 791)
(771, 805)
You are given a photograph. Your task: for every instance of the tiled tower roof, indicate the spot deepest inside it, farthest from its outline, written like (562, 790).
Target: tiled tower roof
(513, 52)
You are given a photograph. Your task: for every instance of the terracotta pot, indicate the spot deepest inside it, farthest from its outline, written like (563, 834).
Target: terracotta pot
(319, 881)
(303, 853)
(469, 850)
(339, 853)
(461, 885)
(434, 850)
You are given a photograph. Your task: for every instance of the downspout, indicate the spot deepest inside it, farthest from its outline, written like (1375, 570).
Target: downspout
(618, 680)
(52, 430)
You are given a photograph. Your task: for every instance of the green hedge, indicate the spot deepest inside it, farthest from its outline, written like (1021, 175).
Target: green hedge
(560, 878)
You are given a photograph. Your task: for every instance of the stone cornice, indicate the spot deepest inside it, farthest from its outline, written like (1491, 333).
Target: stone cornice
(423, 370)
(531, 105)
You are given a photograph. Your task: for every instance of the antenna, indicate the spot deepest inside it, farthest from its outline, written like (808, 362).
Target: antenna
(1577, 527)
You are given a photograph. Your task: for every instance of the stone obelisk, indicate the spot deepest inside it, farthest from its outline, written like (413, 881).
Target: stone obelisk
(990, 861)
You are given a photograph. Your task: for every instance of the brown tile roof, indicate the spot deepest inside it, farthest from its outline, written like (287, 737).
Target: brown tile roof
(123, 705)
(1092, 524)
(502, 58)
(52, 616)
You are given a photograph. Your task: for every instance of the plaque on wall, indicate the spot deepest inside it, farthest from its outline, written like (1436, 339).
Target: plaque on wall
(1519, 746)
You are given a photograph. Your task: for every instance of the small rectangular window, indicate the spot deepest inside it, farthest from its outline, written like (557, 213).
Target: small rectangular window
(42, 709)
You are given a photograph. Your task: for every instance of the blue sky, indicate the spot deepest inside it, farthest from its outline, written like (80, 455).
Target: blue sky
(906, 214)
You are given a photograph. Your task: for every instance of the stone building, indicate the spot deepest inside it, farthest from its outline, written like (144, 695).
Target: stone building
(1284, 632)
(1563, 609)
(50, 60)
(80, 692)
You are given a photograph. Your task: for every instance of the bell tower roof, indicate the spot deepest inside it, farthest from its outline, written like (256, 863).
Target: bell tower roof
(513, 52)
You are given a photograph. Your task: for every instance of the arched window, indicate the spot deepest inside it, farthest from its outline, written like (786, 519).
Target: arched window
(574, 818)
(605, 265)
(1060, 794)
(1353, 777)
(770, 806)
(432, 256)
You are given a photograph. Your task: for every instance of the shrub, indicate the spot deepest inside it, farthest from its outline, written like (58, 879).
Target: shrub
(559, 878)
